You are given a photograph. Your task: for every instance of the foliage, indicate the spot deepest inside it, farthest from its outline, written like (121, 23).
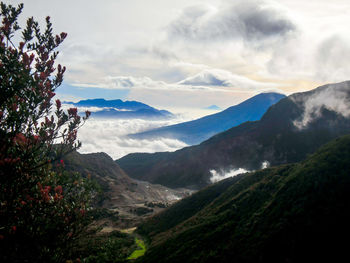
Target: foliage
(105, 248)
(42, 211)
(140, 251)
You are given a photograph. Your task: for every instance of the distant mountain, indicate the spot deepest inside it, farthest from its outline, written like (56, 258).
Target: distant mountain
(213, 107)
(123, 109)
(196, 131)
(291, 213)
(290, 130)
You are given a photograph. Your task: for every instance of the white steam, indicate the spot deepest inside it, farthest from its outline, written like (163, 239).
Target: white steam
(217, 176)
(265, 164)
(333, 98)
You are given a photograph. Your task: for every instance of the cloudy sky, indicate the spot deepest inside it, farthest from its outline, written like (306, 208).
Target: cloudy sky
(195, 53)
(186, 55)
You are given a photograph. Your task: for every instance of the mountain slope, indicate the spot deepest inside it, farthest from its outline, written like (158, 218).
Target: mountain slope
(196, 131)
(290, 130)
(291, 213)
(123, 109)
(120, 192)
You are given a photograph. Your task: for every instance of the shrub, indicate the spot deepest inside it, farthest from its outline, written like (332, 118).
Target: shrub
(42, 211)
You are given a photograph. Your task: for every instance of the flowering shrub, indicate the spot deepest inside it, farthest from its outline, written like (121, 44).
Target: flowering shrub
(42, 210)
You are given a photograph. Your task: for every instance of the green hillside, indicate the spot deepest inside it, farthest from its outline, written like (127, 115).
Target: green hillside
(291, 213)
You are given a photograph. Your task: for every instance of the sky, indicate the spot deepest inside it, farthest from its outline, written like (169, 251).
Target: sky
(186, 55)
(191, 54)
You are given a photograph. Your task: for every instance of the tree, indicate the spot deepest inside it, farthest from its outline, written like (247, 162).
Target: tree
(42, 210)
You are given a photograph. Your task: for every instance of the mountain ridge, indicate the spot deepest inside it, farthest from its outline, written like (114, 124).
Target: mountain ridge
(122, 109)
(275, 138)
(290, 213)
(196, 131)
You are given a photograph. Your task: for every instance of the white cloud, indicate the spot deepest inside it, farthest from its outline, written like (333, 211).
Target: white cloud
(332, 97)
(110, 136)
(239, 20)
(152, 45)
(224, 78)
(333, 56)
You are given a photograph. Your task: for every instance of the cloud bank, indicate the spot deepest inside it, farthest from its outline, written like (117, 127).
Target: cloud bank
(110, 136)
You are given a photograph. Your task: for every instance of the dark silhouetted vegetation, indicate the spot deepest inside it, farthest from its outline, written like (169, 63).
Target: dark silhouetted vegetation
(290, 213)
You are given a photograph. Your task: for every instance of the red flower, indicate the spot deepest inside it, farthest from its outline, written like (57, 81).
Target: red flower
(58, 104)
(58, 189)
(42, 75)
(63, 35)
(72, 111)
(14, 106)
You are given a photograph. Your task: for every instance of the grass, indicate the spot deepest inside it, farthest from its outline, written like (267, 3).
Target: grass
(140, 251)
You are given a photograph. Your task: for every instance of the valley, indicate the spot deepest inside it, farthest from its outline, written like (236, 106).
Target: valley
(124, 201)
(180, 211)
(275, 138)
(174, 131)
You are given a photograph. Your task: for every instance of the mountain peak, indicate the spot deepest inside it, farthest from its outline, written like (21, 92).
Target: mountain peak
(123, 109)
(197, 131)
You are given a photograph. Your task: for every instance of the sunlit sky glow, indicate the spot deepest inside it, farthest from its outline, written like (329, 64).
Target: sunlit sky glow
(195, 53)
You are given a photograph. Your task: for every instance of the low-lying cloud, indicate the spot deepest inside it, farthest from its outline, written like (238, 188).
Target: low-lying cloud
(332, 97)
(110, 136)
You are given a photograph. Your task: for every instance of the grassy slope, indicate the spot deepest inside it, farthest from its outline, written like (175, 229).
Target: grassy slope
(140, 251)
(290, 213)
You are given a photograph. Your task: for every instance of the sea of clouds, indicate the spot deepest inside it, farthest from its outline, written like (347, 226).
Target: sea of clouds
(110, 136)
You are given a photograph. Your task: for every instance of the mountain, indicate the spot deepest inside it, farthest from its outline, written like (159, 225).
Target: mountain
(290, 130)
(290, 213)
(123, 109)
(196, 131)
(120, 193)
